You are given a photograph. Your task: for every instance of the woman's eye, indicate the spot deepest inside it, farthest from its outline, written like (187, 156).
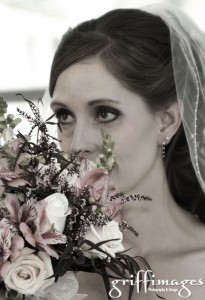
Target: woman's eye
(106, 114)
(64, 116)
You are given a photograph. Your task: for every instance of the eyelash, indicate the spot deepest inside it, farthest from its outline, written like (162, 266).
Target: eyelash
(107, 110)
(98, 110)
(61, 113)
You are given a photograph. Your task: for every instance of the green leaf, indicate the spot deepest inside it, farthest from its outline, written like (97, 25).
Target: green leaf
(3, 106)
(14, 295)
(15, 122)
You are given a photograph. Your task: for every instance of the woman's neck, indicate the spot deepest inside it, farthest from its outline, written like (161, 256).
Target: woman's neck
(162, 224)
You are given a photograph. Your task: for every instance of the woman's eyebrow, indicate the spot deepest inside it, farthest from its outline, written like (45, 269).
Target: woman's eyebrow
(53, 103)
(102, 101)
(90, 103)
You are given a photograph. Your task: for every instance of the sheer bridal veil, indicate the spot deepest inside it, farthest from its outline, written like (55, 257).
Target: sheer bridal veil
(188, 56)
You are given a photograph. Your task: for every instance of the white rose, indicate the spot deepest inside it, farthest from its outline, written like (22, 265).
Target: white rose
(102, 233)
(56, 210)
(28, 273)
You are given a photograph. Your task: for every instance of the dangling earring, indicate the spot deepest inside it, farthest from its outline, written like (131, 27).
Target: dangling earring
(163, 147)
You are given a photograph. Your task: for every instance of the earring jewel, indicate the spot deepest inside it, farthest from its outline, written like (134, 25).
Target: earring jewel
(164, 143)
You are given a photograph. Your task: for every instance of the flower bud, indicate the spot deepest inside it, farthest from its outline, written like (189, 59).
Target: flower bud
(94, 208)
(91, 200)
(10, 117)
(103, 209)
(41, 159)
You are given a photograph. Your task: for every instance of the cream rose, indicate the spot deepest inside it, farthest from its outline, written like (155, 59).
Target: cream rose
(102, 233)
(56, 210)
(28, 273)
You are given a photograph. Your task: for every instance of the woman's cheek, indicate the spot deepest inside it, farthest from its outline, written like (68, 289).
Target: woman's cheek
(65, 138)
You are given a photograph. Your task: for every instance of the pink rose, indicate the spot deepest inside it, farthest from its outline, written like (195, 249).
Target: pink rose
(28, 273)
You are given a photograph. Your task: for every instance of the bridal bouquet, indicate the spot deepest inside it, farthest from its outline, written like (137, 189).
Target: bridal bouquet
(57, 213)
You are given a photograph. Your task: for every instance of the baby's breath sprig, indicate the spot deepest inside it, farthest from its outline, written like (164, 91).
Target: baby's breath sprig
(123, 225)
(135, 198)
(129, 198)
(106, 159)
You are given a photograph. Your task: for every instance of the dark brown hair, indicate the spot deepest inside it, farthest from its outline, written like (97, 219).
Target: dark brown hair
(135, 47)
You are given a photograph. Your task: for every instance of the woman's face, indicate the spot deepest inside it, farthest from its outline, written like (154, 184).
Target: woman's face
(87, 98)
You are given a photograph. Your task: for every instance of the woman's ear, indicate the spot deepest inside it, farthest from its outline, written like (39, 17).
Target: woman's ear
(168, 122)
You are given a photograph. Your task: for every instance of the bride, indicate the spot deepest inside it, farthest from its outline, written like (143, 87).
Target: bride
(140, 74)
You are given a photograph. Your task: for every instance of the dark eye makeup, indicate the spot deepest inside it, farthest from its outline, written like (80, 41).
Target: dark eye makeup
(64, 116)
(102, 114)
(106, 114)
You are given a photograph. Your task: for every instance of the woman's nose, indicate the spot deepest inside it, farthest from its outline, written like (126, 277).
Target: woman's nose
(85, 140)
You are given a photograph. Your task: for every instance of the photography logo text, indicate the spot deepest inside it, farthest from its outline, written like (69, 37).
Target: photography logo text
(146, 280)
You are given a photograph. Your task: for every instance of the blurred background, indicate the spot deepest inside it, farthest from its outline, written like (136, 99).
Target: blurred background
(31, 29)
